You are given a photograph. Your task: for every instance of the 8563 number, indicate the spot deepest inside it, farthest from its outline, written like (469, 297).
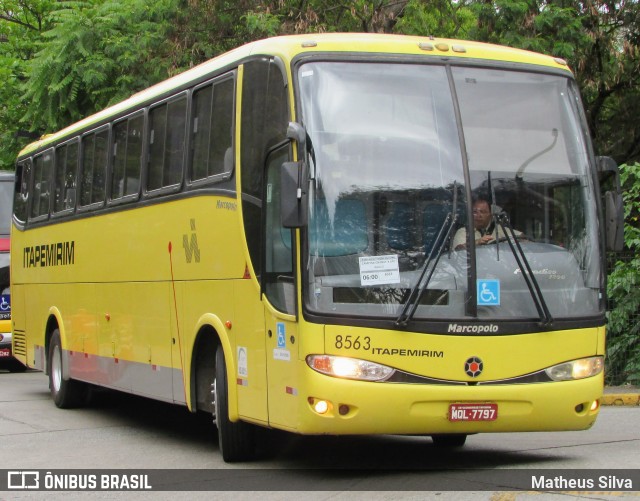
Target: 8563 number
(353, 342)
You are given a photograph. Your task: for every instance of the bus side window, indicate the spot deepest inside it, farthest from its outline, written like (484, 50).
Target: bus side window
(212, 130)
(278, 273)
(21, 195)
(42, 169)
(95, 149)
(167, 132)
(265, 117)
(127, 156)
(65, 176)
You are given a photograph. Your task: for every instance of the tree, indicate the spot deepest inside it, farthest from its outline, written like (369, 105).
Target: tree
(95, 53)
(21, 24)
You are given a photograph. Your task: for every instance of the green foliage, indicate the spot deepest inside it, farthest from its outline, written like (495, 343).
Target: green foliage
(95, 53)
(623, 337)
(262, 24)
(440, 18)
(21, 23)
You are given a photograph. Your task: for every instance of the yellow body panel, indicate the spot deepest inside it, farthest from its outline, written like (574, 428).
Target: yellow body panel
(443, 356)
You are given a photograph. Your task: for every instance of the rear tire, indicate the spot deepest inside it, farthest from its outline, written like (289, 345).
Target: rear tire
(237, 441)
(65, 393)
(449, 440)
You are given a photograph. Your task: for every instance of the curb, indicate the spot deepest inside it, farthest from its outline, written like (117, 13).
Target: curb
(619, 399)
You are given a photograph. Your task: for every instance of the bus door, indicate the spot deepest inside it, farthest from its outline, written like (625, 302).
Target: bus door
(278, 286)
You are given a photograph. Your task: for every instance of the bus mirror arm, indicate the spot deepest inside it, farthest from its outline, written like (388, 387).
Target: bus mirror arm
(293, 194)
(297, 132)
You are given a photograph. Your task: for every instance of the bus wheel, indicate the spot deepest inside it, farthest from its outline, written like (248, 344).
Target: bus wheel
(449, 440)
(237, 441)
(65, 393)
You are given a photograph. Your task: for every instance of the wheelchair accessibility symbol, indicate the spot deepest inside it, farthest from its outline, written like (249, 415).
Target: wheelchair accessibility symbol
(282, 342)
(488, 292)
(5, 303)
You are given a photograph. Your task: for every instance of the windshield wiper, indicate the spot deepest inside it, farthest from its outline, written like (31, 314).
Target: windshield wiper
(546, 320)
(413, 300)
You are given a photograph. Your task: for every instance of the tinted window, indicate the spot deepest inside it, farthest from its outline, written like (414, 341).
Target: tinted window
(42, 167)
(65, 176)
(167, 128)
(264, 125)
(213, 110)
(21, 191)
(127, 153)
(94, 163)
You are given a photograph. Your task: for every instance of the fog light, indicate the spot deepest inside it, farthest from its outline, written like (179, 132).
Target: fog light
(595, 405)
(321, 406)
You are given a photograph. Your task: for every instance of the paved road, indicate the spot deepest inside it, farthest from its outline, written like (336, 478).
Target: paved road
(125, 432)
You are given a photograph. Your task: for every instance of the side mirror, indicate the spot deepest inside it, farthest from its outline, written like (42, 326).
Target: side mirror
(293, 195)
(294, 182)
(608, 173)
(614, 221)
(608, 169)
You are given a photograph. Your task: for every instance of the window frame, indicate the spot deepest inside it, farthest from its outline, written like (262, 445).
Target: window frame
(191, 183)
(24, 166)
(146, 149)
(67, 210)
(131, 197)
(94, 205)
(44, 216)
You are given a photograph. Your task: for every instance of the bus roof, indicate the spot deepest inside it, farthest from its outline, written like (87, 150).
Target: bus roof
(291, 46)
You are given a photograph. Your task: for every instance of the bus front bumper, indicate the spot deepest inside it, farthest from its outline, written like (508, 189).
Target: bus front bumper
(333, 406)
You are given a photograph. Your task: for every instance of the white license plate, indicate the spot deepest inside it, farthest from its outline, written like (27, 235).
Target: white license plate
(473, 412)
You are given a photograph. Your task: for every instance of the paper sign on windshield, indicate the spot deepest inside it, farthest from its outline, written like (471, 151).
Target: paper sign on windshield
(379, 270)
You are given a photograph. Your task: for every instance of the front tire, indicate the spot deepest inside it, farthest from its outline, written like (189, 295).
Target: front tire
(65, 393)
(237, 441)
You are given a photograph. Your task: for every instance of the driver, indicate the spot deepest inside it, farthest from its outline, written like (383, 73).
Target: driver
(486, 231)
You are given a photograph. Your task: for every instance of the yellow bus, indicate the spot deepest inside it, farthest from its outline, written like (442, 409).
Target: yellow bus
(267, 238)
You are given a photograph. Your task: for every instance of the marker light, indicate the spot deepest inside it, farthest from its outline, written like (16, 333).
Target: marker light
(349, 368)
(576, 369)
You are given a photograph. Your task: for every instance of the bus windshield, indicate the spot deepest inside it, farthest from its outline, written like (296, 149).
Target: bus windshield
(403, 158)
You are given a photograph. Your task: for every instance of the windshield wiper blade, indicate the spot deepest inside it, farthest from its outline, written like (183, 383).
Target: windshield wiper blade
(411, 304)
(546, 320)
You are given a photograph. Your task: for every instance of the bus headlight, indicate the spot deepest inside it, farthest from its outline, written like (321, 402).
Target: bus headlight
(576, 369)
(349, 368)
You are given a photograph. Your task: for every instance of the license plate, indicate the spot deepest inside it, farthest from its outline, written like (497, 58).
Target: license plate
(5, 352)
(473, 412)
